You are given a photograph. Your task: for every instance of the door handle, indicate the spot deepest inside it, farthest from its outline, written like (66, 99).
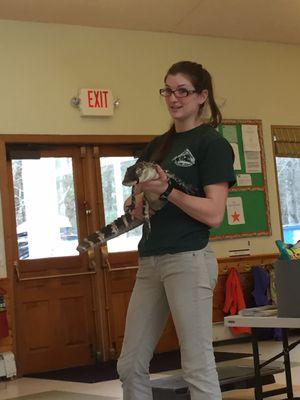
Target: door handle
(33, 278)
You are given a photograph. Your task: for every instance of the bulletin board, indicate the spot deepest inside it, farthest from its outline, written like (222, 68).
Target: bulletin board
(247, 211)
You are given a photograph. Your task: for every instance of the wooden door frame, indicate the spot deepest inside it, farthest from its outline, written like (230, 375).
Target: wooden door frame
(9, 222)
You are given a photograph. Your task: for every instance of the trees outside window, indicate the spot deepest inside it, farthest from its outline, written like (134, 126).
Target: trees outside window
(114, 195)
(288, 172)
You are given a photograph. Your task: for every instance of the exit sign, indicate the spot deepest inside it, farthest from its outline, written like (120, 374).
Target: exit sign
(96, 102)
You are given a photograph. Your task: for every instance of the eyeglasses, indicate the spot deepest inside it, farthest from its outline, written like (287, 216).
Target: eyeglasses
(178, 93)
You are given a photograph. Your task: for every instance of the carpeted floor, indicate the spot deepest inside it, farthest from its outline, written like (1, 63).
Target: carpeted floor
(58, 395)
(106, 371)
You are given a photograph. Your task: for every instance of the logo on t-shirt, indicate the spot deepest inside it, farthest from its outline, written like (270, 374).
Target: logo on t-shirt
(184, 159)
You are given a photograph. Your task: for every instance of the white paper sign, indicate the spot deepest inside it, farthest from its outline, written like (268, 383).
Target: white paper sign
(250, 138)
(235, 211)
(252, 161)
(237, 161)
(244, 180)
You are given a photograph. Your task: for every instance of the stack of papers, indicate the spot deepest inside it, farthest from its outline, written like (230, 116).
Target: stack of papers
(263, 311)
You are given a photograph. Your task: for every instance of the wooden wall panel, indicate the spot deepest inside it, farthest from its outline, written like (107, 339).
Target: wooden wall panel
(74, 321)
(218, 299)
(120, 303)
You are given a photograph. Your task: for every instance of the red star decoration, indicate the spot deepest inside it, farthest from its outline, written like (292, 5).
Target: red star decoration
(235, 217)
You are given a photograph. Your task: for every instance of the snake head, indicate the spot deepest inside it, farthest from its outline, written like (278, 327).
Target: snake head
(140, 172)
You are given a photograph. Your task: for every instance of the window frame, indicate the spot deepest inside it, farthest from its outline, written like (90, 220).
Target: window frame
(286, 143)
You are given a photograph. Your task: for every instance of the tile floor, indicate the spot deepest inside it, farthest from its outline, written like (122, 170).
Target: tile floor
(112, 389)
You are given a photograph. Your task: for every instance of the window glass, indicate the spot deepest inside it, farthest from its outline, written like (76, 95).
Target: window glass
(45, 207)
(288, 171)
(114, 195)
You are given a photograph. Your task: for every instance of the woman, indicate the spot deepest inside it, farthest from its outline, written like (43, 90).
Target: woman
(178, 270)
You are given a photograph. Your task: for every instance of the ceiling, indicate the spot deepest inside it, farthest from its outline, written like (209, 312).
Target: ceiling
(259, 20)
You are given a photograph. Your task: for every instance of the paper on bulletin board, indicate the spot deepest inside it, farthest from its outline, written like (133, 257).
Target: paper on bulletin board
(230, 133)
(243, 180)
(252, 161)
(250, 138)
(237, 161)
(235, 211)
(3, 273)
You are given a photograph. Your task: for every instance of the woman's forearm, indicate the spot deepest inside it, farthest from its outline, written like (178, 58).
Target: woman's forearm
(209, 210)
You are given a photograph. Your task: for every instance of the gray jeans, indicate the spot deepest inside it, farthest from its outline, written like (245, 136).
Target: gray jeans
(182, 283)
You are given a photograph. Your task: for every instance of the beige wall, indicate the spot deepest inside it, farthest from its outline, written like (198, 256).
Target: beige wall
(43, 66)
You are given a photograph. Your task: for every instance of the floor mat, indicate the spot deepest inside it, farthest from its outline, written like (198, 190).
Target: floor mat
(107, 371)
(58, 395)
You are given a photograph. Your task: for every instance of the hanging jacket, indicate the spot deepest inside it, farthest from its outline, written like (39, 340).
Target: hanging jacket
(234, 299)
(261, 286)
(262, 296)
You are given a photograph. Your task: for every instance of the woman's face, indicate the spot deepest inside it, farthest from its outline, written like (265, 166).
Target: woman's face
(186, 108)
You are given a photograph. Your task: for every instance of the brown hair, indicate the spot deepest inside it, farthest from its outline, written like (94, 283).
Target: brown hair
(201, 80)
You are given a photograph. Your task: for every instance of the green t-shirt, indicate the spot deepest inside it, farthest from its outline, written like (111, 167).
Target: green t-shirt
(200, 157)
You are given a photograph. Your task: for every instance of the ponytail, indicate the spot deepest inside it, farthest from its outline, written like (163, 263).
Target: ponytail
(216, 116)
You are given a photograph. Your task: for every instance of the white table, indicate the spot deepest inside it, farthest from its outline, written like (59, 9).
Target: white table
(269, 322)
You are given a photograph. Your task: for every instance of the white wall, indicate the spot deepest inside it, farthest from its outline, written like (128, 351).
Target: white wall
(43, 65)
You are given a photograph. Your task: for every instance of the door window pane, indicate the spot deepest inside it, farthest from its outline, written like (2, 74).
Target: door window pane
(114, 195)
(45, 207)
(288, 171)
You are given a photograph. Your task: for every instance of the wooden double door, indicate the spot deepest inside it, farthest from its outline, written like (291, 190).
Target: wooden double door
(69, 310)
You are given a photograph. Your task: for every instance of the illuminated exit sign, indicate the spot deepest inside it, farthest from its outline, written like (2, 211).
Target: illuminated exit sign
(96, 102)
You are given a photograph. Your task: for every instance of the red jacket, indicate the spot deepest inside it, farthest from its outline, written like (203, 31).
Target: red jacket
(234, 299)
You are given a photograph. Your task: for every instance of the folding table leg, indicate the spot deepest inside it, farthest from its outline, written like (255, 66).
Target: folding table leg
(258, 381)
(287, 364)
(259, 394)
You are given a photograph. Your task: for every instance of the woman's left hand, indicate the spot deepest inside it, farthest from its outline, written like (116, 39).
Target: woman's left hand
(158, 185)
